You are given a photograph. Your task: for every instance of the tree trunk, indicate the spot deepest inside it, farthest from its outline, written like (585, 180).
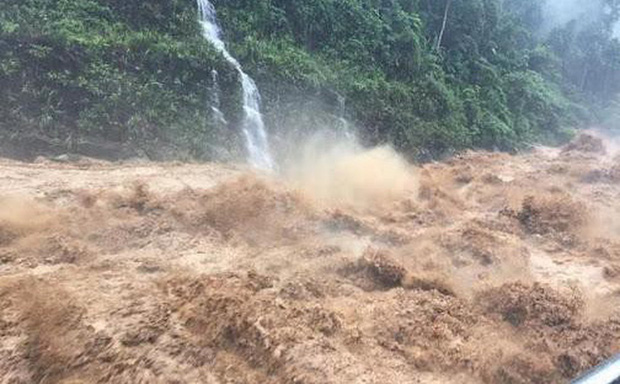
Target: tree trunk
(443, 24)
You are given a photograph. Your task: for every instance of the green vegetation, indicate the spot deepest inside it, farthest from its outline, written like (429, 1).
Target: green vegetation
(139, 71)
(122, 70)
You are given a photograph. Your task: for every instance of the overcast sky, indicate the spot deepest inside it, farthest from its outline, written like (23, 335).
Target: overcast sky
(559, 12)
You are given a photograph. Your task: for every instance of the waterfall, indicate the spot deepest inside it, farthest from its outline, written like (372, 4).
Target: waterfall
(342, 110)
(218, 117)
(257, 143)
(343, 123)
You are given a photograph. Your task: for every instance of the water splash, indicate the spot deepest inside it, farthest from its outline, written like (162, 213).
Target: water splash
(257, 142)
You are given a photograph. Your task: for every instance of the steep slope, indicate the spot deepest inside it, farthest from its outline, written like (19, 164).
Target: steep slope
(73, 73)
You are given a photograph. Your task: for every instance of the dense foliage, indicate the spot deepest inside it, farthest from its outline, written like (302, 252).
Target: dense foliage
(126, 71)
(428, 76)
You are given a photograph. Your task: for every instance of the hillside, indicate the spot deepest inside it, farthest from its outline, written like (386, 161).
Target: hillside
(429, 77)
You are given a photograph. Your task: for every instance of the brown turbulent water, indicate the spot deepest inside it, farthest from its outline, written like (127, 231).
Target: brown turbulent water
(486, 268)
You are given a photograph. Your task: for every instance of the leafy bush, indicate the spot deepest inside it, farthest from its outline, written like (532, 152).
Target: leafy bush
(80, 67)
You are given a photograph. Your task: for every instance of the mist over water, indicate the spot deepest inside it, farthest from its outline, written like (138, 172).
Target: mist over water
(257, 142)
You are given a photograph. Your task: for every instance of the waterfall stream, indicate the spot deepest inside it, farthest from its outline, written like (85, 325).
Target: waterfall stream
(257, 142)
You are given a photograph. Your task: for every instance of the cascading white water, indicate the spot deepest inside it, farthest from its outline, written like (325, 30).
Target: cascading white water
(218, 117)
(343, 124)
(257, 142)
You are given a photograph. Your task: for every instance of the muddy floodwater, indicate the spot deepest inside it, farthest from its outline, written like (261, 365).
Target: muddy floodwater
(485, 268)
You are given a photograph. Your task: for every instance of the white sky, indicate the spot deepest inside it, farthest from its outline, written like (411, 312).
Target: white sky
(559, 12)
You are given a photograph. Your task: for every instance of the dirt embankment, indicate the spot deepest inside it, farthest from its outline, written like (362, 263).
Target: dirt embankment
(487, 268)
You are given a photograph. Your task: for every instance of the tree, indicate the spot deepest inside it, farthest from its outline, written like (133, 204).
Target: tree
(443, 23)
